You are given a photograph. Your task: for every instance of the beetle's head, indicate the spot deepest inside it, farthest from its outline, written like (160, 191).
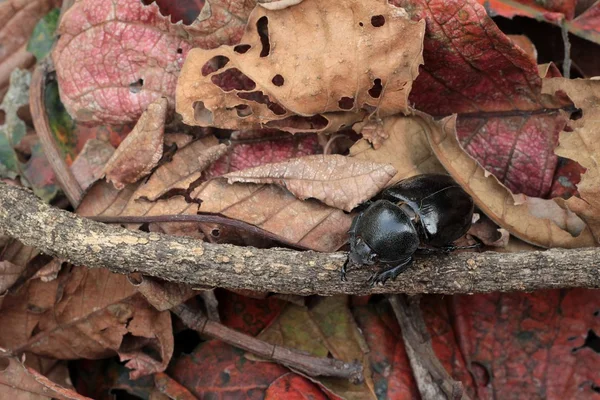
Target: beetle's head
(361, 253)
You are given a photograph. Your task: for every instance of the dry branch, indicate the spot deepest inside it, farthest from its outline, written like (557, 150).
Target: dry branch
(83, 242)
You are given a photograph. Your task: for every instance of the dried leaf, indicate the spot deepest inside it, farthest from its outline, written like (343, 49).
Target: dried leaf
(406, 148)
(9, 273)
(525, 44)
(141, 150)
(261, 81)
(537, 221)
(90, 162)
(87, 314)
(337, 181)
(19, 382)
(583, 145)
(328, 327)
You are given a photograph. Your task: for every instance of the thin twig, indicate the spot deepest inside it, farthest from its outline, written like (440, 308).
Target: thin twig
(63, 173)
(433, 380)
(309, 365)
(179, 259)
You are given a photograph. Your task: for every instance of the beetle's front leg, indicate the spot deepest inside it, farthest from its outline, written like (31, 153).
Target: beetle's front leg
(344, 270)
(390, 272)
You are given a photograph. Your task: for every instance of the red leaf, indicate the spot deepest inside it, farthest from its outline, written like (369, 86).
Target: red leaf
(217, 370)
(473, 69)
(293, 387)
(246, 314)
(536, 345)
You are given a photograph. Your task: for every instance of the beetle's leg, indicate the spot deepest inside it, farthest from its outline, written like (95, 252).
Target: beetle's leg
(344, 270)
(446, 249)
(392, 272)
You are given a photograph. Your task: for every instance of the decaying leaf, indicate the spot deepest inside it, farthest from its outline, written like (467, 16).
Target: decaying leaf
(327, 328)
(537, 221)
(141, 150)
(406, 148)
(9, 273)
(87, 314)
(583, 145)
(337, 181)
(348, 63)
(19, 382)
(36, 172)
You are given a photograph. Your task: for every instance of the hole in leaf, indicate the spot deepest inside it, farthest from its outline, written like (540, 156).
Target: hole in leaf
(361, 24)
(316, 122)
(179, 50)
(480, 373)
(346, 103)
(595, 388)
(233, 79)
(262, 26)
(241, 48)
(243, 110)
(592, 341)
(261, 98)
(201, 113)
(575, 115)
(377, 20)
(596, 313)
(214, 64)
(376, 89)
(136, 86)
(278, 80)
(216, 232)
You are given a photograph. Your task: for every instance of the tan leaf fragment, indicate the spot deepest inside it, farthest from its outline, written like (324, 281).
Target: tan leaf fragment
(141, 150)
(537, 221)
(278, 4)
(89, 165)
(348, 63)
(338, 181)
(406, 148)
(19, 382)
(582, 145)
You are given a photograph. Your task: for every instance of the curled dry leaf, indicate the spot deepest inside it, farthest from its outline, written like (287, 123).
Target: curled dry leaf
(87, 314)
(537, 221)
(278, 4)
(315, 66)
(173, 189)
(406, 148)
(337, 181)
(141, 150)
(20, 382)
(583, 145)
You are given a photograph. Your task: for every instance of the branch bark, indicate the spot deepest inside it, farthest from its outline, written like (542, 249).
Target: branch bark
(83, 242)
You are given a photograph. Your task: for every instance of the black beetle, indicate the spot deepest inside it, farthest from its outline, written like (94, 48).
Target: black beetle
(431, 209)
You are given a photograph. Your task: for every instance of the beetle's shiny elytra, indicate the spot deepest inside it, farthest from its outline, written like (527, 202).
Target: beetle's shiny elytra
(431, 209)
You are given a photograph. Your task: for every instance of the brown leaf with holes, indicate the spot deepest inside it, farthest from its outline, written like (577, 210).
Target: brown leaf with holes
(582, 145)
(87, 313)
(338, 181)
(534, 220)
(141, 150)
(20, 382)
(406, 148)
(347, 64)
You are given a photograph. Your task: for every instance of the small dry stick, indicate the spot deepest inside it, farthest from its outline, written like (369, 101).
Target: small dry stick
(309, 365)
(433, 380)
